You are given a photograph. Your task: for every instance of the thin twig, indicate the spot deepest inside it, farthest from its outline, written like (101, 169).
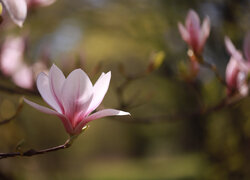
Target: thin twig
(213, 68)
(225, 102)
(32, 152)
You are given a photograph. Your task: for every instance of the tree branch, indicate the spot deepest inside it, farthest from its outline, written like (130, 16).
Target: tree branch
(33, 152)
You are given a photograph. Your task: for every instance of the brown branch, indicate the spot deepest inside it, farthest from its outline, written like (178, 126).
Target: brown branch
(225, 102)
(213, 68)
(33, 152)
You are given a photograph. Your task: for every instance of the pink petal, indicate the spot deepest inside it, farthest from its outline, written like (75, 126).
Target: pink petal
(23, 77)
(184, 33)
(205, 31)
(41, 108)
(35, 3)
(56, 80)
(247, 47)
(17, 10)
(242, 84)
(193, 28)
(46, 110)
(232, 50)
(12, 54)
(232, 71)
(99, 91)
(104, 113)
(99, 114)
(192, 20)
(45, 91)
(77, 93)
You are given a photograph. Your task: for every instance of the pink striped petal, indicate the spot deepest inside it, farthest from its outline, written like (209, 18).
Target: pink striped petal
(17, 10)
(56, 80)
(44, 89)
(98, 115)
(77, 92)
(104, 113)
(100, 89)
(41, 108)
(46, 110)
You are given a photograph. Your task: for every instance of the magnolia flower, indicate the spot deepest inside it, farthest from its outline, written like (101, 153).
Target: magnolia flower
(238, 68)
(17, 10)
(194, 35)
(73, 98)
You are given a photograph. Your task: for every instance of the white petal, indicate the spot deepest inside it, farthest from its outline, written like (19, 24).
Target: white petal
(100, 89)
(76, 93)
(17, 10)
(44, 89)
(104, 113)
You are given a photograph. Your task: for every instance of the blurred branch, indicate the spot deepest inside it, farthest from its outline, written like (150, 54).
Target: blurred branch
(33, 152)
(18, 90)
(18, 110)
(225, 102)
(120, 89)
(213, 68)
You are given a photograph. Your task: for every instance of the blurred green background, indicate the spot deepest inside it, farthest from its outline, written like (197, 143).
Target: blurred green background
(158, 141)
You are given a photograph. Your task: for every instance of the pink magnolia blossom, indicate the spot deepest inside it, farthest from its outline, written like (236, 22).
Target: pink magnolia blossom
(73, 98)
(238, 68)
(194, 34)
(12, 62)
(17, 10)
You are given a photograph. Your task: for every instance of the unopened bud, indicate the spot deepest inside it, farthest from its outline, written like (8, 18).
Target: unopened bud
(156, 61)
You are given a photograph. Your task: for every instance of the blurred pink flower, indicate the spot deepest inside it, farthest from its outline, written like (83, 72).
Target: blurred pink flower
(17, 10)
(238, 68)
(39, 3)
(12, 63)
(194, 35)
(73, 98)
(23, 77)
(11, 56)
